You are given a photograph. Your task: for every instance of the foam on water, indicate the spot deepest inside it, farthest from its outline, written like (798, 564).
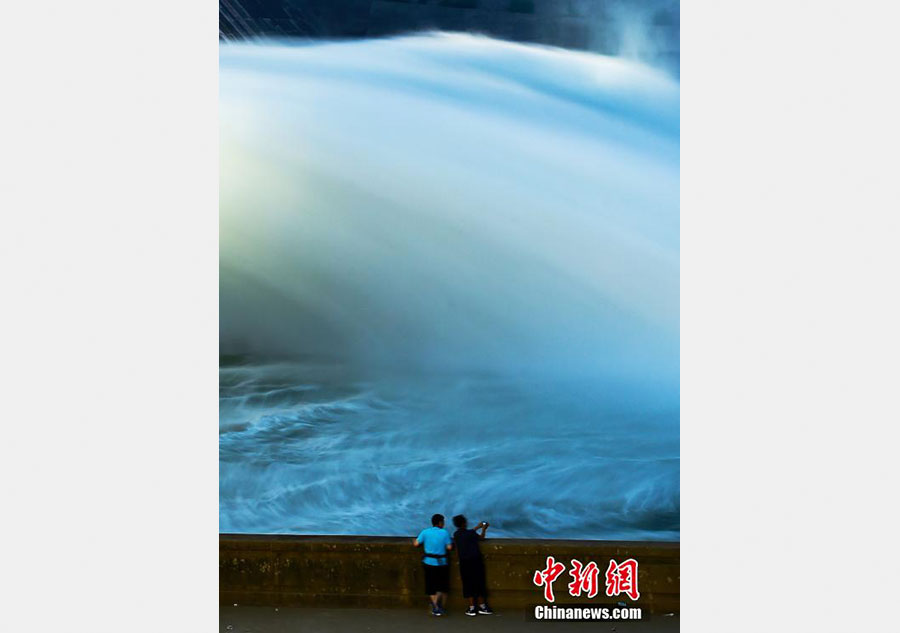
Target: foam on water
(469, 249)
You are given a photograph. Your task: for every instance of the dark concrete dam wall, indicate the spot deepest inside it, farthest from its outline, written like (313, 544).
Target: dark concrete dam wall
(372, 571)
(647, 29)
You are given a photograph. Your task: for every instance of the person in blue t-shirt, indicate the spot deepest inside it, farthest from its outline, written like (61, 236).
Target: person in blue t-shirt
(436, 542)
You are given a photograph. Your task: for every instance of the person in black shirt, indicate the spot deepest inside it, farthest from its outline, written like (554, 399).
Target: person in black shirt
(471, 564)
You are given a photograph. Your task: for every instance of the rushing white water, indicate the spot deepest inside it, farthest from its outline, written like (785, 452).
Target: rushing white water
(468, 249)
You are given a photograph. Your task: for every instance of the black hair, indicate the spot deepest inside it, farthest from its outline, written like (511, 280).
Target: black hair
(460, 521)
(437, 519)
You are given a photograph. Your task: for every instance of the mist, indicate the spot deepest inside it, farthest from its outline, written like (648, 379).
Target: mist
(441, 201)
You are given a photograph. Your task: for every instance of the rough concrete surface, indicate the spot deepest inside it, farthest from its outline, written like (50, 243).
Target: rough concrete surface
(319, 620)
(386, 572)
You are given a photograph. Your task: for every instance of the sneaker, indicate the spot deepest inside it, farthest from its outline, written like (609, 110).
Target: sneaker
(436, 610)
(485, 610)
(471, 611)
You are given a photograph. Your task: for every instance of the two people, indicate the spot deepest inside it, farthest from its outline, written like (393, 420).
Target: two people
(437, 544)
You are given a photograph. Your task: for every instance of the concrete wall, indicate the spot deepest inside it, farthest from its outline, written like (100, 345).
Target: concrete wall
(386, 571)
(648, 29)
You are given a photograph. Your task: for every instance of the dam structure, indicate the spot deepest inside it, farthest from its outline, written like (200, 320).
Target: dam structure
(647, 30)
(449, 283)
(385, 572)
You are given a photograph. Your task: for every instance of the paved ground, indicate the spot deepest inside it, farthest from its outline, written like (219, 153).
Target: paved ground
(269, 620)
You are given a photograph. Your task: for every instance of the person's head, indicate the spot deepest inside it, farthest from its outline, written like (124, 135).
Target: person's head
(437, 520)
(460, 521)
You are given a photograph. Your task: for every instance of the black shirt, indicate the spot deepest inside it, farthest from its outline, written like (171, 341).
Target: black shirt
(467, 544)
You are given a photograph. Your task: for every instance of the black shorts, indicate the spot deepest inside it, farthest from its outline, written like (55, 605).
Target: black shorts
(437, 578)
(472, 574)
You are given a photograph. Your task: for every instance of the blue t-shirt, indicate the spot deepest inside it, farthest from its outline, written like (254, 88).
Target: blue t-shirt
(435, 541)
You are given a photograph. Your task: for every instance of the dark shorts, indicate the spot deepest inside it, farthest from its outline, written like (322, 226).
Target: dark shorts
(472, 574)
(437, 578)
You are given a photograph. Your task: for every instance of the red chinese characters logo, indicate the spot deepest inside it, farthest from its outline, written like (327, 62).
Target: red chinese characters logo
(622, 578)
(546, 577)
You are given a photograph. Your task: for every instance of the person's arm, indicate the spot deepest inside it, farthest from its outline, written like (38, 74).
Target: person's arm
(483, 526)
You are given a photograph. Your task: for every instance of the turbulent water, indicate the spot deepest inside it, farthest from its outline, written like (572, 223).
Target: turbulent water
(448, 283)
